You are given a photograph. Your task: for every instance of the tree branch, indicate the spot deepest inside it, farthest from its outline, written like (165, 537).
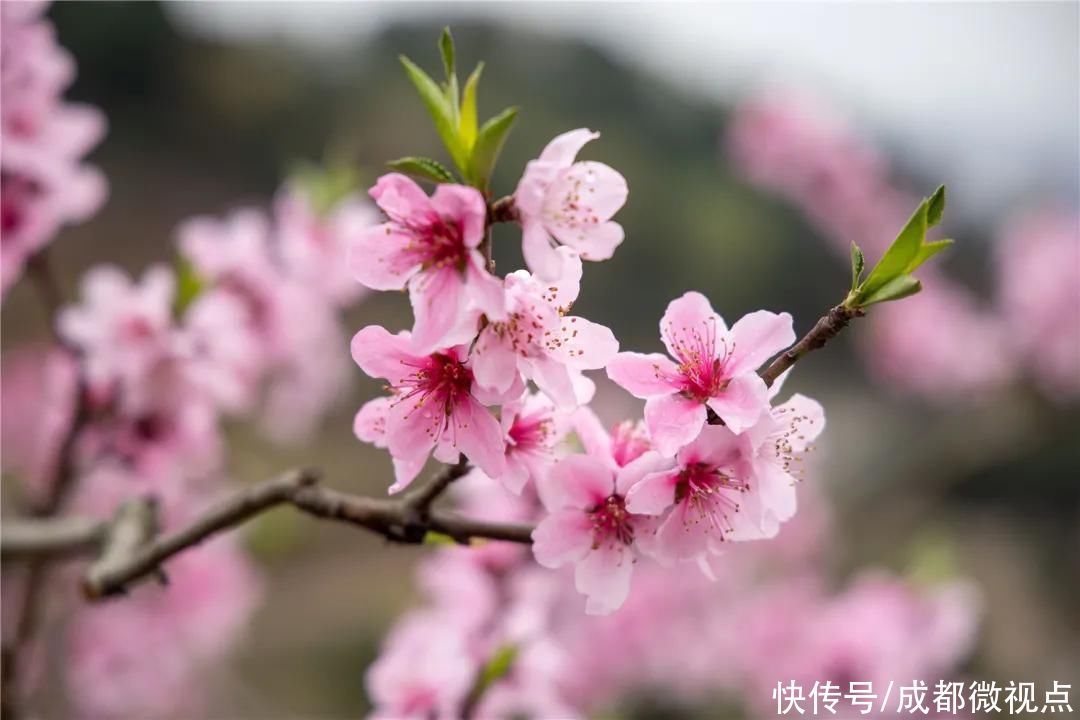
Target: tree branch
(129, 552)
(823, 331)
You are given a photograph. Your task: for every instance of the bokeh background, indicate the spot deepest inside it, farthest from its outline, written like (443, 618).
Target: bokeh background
(210, 105)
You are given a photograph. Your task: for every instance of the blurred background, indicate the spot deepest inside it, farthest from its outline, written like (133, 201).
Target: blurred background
(210, 105)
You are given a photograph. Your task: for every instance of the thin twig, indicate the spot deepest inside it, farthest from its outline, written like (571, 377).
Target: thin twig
(394, 519)
(823, 331)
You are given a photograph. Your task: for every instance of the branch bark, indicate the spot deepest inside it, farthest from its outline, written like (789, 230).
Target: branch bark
(823, 331)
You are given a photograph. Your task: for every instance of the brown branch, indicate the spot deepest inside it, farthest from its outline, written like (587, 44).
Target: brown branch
(50, 538)
(823, 331)
(503, 210)
(130, 553)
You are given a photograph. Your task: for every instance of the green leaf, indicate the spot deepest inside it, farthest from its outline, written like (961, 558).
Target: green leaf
(446, 49)
(857, 263)
(927, 251)
(189, 285)
(438, 538)
(441, 111)
(900, 254)
(467, 123)
(935, 207)
(489, 143)
(422, 168)
(497, 667)
(896, 289)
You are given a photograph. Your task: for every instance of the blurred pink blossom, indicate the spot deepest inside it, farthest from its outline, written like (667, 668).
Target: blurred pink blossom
(42, 140)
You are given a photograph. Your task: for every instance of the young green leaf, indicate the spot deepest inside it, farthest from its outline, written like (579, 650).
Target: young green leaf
(900, 254)
(189, 284)
(422, 168)
(497, 667)
(437, 538)
(935, 207)
(446, 49)
(927, 251)
(489, 143)
(857, 263)
(897, 288)
(441, 111)
(467, 124)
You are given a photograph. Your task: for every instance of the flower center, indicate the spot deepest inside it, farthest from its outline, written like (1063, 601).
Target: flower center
(441, 380)
(710, 496)
(530, 432)
(702, 356)
(629, 441)
(611, 523)
(435, 241)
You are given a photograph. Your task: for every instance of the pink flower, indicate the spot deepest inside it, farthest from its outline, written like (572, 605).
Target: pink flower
(570, 202)
(532, 428)
(123, 329)
(430, 246)
(715, 368)
(1039, 278)
(539, 340)
(191, 624)
(315, 248)
(591, 526)
(707, 496)
(436, 404)
(44, 185)
(423, 671)
(626, 442)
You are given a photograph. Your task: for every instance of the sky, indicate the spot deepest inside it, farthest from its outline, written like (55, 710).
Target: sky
(984, 96)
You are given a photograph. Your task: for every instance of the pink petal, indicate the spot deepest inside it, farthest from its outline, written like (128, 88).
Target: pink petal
(413, 427)
(540, 255)
(370, 423)
(382, 355)
(494, 362)
(654, 494)
(478, 435)
(584, 345)
(564, 148)
(596, 242)
(644, 376)
(756, 338)
(586, 193)
(466, 207)
(553, 379)
(484, 290)
(576, 481)
(632, 473)
(562, 537)
(400, 197)
(716, 446)
(691, 330)
(776, 489)
(437, 298)
(405, 471)
(564, 291)
(683, 535)
(593, 435)
(803, 417)
(673, 421)
(378, 258)
(603, 576)
(742, 402)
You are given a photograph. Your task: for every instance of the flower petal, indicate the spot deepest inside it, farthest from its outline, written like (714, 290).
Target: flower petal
(494, 362)
(463, 206)
(576, 481)
(691, 329)
(742, 402)
(564, 148)
(478, 435)
(802, 420)
(673, 421)
(644, 376)
(437, 297)
(583, 344)
(540, 254)
(382, 355)
(400, 197)
(562, 537)
(370, 422)
(654, 494)
(379, 259)
(603, 576)
(756, 338)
